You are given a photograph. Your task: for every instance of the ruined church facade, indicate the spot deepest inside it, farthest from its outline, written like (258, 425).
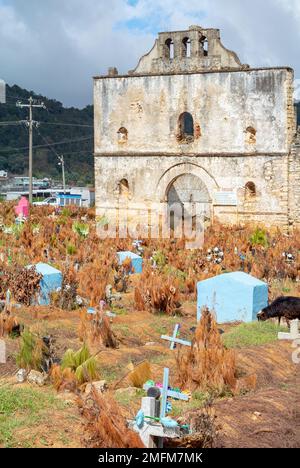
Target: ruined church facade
(192, 123)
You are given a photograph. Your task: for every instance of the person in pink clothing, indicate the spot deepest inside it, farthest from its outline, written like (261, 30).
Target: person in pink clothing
(22, 209)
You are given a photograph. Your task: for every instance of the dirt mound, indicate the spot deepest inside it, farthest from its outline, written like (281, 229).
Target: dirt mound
(267, 419)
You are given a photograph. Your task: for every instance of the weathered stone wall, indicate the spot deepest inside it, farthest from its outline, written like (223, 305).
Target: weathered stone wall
(244, 124)
(214, 57)
(223, 105)
(149, 179)
(294, 183)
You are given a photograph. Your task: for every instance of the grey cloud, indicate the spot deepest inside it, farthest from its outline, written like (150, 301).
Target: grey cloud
(55, 47)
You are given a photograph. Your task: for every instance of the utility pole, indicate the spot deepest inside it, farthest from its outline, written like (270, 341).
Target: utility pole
(62, 164)
(2, 92)
(30, 124)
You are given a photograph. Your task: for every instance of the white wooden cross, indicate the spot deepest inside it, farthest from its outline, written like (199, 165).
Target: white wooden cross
(174, 340)
(294, 332)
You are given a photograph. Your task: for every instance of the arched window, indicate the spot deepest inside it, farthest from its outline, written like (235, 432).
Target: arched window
(204, 46)
(186, 127)
(122, 135)
(124, 188)
(170, 51)
(186, 51)
(250, 190)
(251, 135)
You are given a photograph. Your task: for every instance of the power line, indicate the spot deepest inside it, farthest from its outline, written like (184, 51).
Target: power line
(49, 123)
(65, 142)
(66, 124)
(15, 122)
(48, 144)
(61, 161)
(9, 105)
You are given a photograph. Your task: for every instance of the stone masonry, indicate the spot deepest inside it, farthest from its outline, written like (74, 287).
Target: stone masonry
(191, 122)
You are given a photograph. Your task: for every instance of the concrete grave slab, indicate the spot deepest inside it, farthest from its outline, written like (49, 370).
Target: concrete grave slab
(232, 296)
(136, 260)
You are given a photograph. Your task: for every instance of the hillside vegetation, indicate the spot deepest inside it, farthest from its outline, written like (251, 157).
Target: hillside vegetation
(72, 126)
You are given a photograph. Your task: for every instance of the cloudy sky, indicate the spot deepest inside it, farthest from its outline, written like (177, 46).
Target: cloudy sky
(54, 47)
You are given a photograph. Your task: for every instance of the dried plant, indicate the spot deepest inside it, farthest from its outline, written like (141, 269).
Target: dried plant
(106, 426)
(8, 322)
(204, 429)
(127, 266)
(244, 248)
(96, 329)
(24, 283)
(63, 379)
(94, 277)
(207, 365)
(157, 293)
(140, 374)
(66, 298)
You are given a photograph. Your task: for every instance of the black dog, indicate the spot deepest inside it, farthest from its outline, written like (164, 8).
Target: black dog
(287, 307)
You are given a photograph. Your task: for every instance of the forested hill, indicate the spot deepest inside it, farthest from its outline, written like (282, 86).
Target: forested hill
(70, 128)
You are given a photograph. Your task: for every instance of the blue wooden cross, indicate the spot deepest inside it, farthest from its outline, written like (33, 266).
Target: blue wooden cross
(174, 340)
(164, 394)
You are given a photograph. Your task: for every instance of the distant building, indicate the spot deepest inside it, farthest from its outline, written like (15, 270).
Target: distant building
(3, 175)
(23, 182)
(87, 195)
(2, 92)
(77, 196)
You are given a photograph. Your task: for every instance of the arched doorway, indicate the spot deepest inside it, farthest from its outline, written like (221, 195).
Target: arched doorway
(190, 193)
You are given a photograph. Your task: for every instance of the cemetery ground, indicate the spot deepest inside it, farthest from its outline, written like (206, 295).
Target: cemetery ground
(31, 416)
(261, 411)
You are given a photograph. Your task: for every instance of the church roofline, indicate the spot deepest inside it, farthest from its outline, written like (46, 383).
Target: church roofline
(202, 72)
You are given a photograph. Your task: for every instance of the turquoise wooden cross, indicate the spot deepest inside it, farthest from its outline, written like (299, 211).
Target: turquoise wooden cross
(174, 339)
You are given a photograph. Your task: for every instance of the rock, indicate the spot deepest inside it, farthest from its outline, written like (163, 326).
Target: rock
(36, 378)
(99, 386)
(21, 375)
(151, 343)
(256, 415)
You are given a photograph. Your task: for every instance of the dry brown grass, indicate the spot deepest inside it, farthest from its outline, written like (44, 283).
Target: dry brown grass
(157, 293)
(96, 330)
(97, 263)
(63, 379)
(207, 365)
(106, 426)
(140, 374)
(7, 323)
(23, 283)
